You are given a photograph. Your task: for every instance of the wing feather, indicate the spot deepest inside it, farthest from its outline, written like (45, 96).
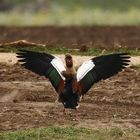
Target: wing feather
(99, 68)
(44, 64)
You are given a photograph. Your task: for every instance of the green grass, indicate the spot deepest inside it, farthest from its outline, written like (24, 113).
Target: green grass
(106, 4)
(65, 17)
(81, 12)
(58, 49)
(72, 133)
(118, 5)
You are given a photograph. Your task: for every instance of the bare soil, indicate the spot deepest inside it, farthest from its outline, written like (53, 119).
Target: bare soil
(29, 101)
(106, 37)
(10, 59)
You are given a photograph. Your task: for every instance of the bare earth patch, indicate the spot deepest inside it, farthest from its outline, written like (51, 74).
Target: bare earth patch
(28, 100)
(10, 58)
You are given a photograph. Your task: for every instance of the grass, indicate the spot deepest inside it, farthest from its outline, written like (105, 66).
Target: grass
(106, 4)
(66, 17)
(58, 49)
(72, 133)
(64, 13)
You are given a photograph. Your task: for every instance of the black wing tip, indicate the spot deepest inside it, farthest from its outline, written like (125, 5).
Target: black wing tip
(22, 52)
(125, 57)
(124, 54)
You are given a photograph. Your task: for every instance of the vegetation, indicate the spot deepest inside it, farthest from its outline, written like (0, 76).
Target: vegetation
(72, 133)
(62, 50)
(62, 12)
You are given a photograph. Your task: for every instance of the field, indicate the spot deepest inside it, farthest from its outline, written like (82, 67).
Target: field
(81, 12)
(28, 101)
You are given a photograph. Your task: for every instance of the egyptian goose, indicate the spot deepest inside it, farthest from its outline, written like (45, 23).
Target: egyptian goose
(70, 84)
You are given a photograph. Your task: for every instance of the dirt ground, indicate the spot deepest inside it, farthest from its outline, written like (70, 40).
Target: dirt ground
(75, 37)
(29, 101)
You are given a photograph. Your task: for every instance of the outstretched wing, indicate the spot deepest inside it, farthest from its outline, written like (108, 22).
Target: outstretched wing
(44, 64)
(99, 68)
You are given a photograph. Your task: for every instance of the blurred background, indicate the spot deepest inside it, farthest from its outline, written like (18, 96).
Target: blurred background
(69, 12)
(104, 24)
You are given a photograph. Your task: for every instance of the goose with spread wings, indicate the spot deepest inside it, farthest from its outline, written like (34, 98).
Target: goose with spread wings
(70, 84)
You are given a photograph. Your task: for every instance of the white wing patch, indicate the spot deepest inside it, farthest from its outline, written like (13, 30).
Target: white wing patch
(84, 69)
(58, 65)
